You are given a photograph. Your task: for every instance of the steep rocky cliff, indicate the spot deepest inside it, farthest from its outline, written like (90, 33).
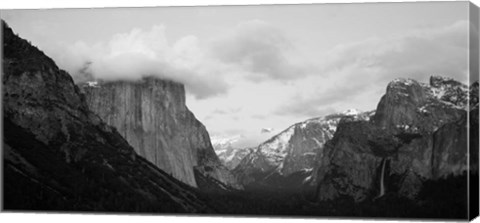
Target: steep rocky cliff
(293, 150)
(58, 155)
(152, 116)
(418, 133)
(416, 107)
(347, 164)
(231, 156)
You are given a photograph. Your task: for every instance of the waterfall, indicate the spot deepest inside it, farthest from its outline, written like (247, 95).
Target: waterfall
(382, 180)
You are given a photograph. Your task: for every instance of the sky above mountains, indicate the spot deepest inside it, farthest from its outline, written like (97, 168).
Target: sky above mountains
(248, 68)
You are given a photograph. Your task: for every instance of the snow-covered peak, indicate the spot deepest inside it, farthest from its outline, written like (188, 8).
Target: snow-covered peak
(222, 142)
(92, 83)
(309, 135)
(275, 148)
(403, 88)
(436, 80)
(404, 81)
(228, 153)
(448, 91)
(352, 111)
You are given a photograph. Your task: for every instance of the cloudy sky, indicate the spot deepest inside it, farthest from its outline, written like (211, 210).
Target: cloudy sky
(252, 71)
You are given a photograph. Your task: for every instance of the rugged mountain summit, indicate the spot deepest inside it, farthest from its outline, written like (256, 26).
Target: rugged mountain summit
(61, 156)
(294, 149)
(152, 116)
(411, 106)
(228, 154)
(418, 133)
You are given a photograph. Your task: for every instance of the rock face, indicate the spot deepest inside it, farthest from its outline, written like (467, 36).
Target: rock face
(61, 156)
(293, 150)
(349, 163)
(417, 107)
(152, 116)
(418, 130)
(231, 156)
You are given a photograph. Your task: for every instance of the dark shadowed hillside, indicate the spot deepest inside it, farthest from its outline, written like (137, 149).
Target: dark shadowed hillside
(60, 156)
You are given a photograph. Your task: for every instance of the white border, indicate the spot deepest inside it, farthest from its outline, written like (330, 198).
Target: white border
(18, 4)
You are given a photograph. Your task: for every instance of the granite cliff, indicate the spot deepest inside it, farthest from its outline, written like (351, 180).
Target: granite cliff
(58, 155)
(418, 133)
(152, 116)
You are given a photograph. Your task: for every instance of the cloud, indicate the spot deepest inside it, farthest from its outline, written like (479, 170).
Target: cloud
(266, 130)
(253, 51)
(262, 50)
(418, 54)
(228, 111)
(341, 89)
(140, 53)
(304, 108)
(259, 117)
(249, 141)
(353, 74)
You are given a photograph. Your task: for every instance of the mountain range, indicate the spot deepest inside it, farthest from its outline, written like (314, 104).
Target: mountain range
(134, 146)
(227, 152)
(292, 150)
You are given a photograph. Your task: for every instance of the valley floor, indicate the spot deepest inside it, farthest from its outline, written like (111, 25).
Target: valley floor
(441, 199)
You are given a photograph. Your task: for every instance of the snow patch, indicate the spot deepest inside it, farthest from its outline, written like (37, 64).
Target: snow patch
(276, 148)
(405, 81)
(92, 83)
(230, 158)
(222, 142)
(352, 111)
(307, 179)
(307, 170)
(423, 109)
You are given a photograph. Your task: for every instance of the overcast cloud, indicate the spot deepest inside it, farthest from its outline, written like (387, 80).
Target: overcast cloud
(261, 49)
(140, 53)
(355, 70)
(248, 68)
(418, 53)
(255, 50)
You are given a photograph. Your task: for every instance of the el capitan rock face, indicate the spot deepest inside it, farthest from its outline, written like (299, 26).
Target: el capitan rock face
(152, 116)
(61, 156)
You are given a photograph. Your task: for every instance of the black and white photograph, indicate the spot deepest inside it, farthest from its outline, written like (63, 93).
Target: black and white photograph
(321, 110)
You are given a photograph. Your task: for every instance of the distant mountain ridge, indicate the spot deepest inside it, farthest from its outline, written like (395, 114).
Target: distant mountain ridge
(293, 149)
(226, 151)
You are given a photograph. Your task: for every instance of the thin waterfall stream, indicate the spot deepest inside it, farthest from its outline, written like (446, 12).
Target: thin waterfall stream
(382, 180)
